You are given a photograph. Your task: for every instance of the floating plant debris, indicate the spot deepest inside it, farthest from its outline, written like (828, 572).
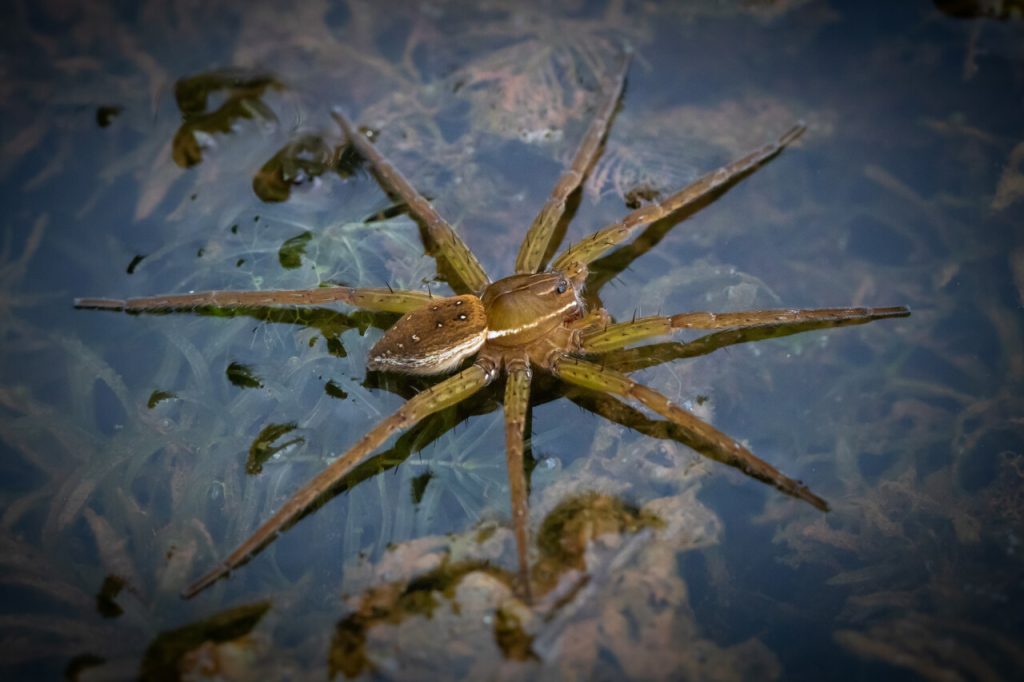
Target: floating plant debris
(419, 486)
(106, 602)
(334, 389)
(291, 252)
(105, 115)
(165, 655)
(135, 262)
(157, 397)
(243, 376)
(266, 446)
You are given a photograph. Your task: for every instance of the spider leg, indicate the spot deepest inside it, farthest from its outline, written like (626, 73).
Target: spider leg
(641, 357)
(383, 300)
(706, 438)
(592, 247)
(434, 399)
(517, 400)
(535, 245)
(451, 246)
(620, 335)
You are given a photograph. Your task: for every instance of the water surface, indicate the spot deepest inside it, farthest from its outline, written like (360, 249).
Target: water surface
(167, 147)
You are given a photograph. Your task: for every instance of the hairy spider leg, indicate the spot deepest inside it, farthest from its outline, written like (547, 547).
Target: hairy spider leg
(381, 300)
(595, 245)
(706, 438)
(449, 244)
(434, 399)
(651, 355)
(517, 403)
(592, 334)
(535, 244)
(619, 335)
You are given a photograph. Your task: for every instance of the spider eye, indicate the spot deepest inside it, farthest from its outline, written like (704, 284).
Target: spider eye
(562, 286)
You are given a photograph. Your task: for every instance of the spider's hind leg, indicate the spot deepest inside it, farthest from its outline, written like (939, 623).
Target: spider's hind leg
(704, 438)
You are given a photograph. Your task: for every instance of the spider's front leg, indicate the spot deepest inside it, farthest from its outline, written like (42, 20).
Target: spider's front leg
(448, 242)
(449, 392)
(624, 333)
(378, 300)
(594, 246)
(705, 438)
(538, 238)
(517, 401)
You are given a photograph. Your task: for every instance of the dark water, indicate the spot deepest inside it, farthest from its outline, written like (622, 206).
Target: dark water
(136, 450)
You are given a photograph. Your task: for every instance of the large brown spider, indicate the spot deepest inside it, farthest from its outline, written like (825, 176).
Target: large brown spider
(528, 320)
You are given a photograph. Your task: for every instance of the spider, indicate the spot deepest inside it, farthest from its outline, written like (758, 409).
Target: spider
(532, 320)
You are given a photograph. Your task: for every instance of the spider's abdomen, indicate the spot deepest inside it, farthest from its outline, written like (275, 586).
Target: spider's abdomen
(433, 339)
(524, 308)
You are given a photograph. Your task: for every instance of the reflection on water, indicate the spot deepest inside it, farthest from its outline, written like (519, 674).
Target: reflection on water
(135, 449)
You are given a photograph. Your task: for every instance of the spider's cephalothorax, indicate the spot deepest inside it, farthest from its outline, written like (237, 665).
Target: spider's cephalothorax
(529, 320)
(524, 308)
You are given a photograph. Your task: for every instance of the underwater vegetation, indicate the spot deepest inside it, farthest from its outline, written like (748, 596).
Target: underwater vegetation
(136, 449)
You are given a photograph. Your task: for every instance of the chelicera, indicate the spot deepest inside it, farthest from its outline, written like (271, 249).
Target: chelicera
(532, 320)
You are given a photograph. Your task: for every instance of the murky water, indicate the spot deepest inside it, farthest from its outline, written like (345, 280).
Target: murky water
(171, 147)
